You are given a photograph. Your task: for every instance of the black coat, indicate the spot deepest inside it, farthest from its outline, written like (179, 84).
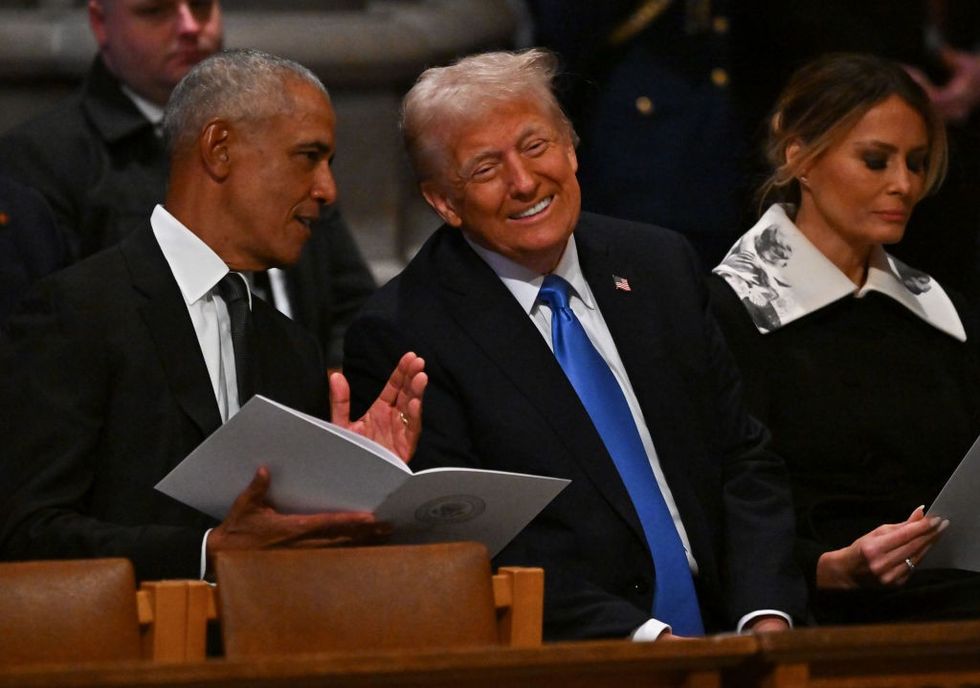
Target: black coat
(498, 399)
(30, 244)
(101, 167)
(104, 391)
(872, 410)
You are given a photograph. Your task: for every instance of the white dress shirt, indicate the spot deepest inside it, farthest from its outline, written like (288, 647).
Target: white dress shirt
(525, 284)
(197, 270)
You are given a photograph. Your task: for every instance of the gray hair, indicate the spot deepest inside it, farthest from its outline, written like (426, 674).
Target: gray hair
(445, 97)
(236, 85)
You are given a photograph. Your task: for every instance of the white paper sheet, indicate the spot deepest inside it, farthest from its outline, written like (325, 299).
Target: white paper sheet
(317, 466)
(959, 545)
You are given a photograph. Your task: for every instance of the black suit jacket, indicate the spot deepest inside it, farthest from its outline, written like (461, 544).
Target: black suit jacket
(498, 399)
(30, 244)
(104, 391)
(100, 166)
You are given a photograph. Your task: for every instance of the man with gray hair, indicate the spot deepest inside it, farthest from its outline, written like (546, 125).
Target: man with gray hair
(568, 344)
(119, 366)
(98, 159)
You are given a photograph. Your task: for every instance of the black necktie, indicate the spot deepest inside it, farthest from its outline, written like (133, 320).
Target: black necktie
(234, 290)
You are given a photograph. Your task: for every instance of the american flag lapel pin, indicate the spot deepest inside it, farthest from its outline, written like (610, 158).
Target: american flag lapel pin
(621, 283)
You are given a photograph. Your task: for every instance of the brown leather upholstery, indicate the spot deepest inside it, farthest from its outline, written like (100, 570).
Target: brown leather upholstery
(68, 611)
(278, 602)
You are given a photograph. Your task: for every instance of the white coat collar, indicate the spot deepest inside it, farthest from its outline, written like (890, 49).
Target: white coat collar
(781, 277)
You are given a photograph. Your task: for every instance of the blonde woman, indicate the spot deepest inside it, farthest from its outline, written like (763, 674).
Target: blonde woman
(865, 369)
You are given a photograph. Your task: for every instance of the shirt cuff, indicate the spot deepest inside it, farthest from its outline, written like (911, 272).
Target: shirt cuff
(204, 553)
(762, 612)
(649, 631)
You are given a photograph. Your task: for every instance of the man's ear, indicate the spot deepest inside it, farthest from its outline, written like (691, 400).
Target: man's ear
(214, 147)
(445, 207)
(572, 157)
(96, 21)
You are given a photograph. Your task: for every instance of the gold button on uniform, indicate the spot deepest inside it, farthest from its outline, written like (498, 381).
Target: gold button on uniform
(719, 77)
(720, 24)
(644, 106)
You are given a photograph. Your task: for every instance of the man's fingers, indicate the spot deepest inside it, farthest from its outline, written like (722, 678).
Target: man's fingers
(401, 378)
(359, 538)
(339, 400)
(331, 529)
(416, 386)
(255, 492)
(330, 524)
(411, 404)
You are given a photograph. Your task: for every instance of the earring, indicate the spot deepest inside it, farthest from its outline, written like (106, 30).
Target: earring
(803, 180)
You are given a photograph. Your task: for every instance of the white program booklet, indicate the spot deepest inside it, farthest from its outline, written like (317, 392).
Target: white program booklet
(318, 466)
(959, 545)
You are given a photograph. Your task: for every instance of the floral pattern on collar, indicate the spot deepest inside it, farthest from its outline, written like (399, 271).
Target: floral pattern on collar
(781, 277)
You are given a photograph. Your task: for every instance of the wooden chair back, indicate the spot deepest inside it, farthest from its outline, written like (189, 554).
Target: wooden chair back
(277, 602)
(68, 611)
(173, 617)
(518, 596)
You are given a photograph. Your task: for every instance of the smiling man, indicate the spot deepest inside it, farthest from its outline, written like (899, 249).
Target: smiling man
(578, 346)
(119, 366)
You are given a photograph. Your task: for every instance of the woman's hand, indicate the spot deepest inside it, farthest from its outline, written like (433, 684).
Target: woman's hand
(881, 558)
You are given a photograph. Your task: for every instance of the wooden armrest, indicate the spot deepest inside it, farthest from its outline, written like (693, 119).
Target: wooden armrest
(518, 594)
(173, 617)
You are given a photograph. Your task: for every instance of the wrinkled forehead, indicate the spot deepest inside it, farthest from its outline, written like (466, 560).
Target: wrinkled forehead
(496, 125)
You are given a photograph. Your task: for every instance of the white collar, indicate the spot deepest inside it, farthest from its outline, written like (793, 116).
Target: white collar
(525, 283)
(781, 277)
(195, 266)
(152, 111)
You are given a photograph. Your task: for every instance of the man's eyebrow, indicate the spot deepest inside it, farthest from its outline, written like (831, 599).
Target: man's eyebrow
(532, 129)
(476, 159)
(316, 145)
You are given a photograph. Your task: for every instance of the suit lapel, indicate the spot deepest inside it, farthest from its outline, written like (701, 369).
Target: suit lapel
(486, 310)
(165, 314)
(638, 321)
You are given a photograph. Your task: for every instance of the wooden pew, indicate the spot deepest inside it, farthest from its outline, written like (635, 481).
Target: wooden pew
(518, 593)
(173, 618)
(899, 655)
(186, 607)
(597, 664)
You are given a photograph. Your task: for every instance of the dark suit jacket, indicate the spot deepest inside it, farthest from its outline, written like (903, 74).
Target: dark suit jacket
(498, 399)
(30, 244)
(104, 391)
(102, 169)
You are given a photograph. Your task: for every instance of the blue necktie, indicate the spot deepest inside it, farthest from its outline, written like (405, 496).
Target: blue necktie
(674, 599)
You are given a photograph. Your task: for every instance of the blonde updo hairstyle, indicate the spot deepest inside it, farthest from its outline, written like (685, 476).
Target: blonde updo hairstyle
(823, 100)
